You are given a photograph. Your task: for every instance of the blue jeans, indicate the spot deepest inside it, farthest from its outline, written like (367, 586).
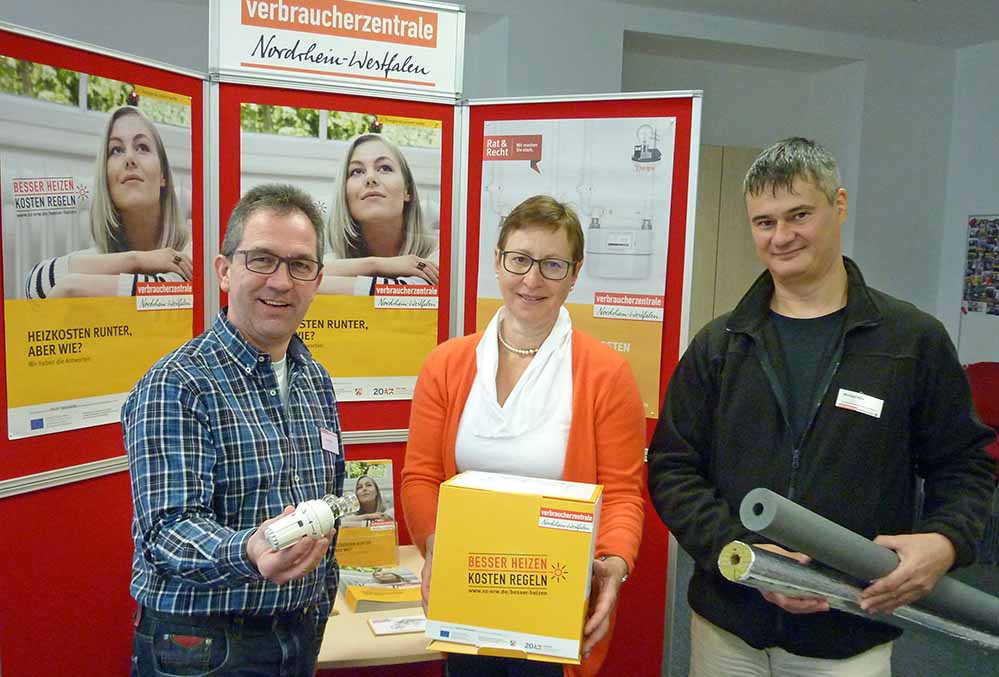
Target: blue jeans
(173, 645)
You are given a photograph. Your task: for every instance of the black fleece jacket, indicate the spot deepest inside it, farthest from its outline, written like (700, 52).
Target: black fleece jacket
(723, 431)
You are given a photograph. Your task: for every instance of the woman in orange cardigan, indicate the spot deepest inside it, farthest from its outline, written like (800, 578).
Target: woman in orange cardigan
(530, 395)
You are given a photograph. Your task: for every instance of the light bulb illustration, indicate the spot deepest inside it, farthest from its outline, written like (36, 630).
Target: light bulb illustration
(647, 148)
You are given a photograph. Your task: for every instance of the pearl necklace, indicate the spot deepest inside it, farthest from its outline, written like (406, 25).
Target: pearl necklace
(517, 351)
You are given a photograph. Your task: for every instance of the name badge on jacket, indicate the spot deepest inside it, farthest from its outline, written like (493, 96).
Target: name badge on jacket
(865, 404)
(330, 440)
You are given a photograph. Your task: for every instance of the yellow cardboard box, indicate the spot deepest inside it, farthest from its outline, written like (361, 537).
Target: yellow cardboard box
(511, 567)
(375, 545)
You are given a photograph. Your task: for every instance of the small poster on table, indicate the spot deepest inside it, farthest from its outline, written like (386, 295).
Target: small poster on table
(370, 537)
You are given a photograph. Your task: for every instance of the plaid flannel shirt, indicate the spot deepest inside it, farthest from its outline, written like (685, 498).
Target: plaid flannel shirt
(212, 453)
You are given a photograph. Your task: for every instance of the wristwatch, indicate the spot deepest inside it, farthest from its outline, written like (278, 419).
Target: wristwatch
(603, 558)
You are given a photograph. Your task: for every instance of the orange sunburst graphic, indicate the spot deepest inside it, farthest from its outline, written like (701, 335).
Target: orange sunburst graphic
(559, 571)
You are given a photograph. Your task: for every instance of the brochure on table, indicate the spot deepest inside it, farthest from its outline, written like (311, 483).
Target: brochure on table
(370, 537)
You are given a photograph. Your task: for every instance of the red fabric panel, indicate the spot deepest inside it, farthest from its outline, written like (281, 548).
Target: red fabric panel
(984, 380)
(637, 646)
(65, 605)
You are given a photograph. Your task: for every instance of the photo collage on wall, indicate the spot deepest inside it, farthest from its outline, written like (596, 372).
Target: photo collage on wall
(981, 271)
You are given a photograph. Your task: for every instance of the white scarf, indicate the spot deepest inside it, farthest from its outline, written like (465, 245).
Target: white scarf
(528, 434)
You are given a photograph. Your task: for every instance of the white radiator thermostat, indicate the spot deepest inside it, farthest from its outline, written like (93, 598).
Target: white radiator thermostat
(311, 518)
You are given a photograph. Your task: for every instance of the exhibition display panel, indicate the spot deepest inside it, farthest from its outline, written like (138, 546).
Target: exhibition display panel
(312, 104)
(101, 177)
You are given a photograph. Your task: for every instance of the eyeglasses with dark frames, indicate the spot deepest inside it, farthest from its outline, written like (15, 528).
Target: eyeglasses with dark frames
(520, 263)
(265, 263)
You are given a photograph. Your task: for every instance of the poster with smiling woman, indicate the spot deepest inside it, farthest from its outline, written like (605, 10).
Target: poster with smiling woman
(377, 180)
(97, 242)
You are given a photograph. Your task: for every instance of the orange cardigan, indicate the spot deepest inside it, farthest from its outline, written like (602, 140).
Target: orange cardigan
(605, 446)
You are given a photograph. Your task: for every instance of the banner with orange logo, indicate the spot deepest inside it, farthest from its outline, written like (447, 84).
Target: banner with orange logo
(401, 46)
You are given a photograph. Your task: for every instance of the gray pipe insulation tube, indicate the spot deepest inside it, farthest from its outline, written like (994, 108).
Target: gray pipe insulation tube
(761, 569)
(802, 530)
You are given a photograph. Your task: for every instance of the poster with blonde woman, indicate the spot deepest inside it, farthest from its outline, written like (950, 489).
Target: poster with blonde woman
(97, 242)
(378, 180)
(377, 233)
(138, 228)
(371, 481)
(369, 538)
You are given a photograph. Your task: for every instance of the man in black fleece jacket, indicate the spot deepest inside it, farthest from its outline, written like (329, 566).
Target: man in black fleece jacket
(831, 393)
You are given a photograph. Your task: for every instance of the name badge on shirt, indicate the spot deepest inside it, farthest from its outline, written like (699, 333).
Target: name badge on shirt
(865, 404)
(330, 440)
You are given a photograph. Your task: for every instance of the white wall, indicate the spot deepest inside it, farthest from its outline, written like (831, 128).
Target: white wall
(554, 47)
(490, 33)
(908, 101)
(887, 116)
(836, 118)
(748, 105)
(743, 105)
(972, 188)
(171, 31)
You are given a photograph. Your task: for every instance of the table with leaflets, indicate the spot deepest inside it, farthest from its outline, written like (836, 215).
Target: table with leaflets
(349, 642)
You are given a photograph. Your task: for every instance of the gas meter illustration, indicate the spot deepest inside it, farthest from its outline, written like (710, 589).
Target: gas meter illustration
(616, 251)
(614, 172)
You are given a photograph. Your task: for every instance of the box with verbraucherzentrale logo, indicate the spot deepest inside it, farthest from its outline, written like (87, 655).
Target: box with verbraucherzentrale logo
(511, 566)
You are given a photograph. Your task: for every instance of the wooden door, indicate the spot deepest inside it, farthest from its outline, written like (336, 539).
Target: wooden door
(725, 263)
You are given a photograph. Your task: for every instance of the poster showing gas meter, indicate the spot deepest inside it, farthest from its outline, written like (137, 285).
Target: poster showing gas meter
(616, 174)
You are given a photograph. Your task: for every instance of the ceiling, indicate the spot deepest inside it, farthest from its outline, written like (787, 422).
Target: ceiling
(728, 53)
(943, 23)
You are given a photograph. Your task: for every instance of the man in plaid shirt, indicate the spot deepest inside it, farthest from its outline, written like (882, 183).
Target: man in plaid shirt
(224, 435)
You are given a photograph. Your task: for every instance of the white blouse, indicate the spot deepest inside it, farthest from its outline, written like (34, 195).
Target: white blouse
(529, 433)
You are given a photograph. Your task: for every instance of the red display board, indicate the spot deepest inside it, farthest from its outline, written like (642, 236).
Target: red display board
(373, 361)
(33, 199)
(579, 152)
(526, 118)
